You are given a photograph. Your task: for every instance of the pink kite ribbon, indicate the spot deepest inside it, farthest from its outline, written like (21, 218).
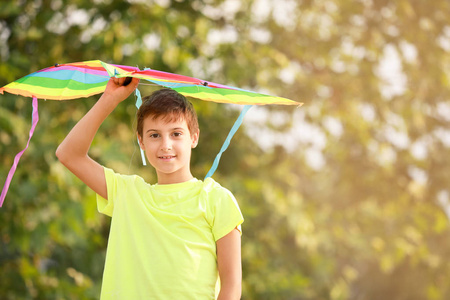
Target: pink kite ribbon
(34, 121)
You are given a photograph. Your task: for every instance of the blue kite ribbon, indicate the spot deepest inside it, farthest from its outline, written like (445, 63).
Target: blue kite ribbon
(225, 145)
(138, 104)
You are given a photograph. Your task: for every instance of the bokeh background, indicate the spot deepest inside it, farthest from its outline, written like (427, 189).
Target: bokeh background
(346, 197)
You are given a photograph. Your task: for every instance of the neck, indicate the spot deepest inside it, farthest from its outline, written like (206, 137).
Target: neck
(174, 178)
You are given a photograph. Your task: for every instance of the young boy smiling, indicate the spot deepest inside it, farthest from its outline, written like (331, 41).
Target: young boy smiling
(168, 137)
(170, 240)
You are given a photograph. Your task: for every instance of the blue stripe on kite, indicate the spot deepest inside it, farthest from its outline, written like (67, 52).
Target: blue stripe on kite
(73, 75)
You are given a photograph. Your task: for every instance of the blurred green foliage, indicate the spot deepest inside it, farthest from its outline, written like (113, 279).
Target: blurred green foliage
(346, 197)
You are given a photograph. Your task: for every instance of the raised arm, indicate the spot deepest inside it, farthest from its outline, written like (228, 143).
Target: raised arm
(73, 151)
(229, 266)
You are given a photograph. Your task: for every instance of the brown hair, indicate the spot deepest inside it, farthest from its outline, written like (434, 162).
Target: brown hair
(168, 104)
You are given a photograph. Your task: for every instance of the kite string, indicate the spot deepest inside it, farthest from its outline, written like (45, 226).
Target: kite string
(34, 121)
(225, 145)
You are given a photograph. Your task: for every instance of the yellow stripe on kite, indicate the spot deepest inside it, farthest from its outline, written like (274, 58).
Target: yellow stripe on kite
(52, 94)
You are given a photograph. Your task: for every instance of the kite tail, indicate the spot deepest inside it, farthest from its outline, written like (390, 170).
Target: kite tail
(225, 145)
(138, 104)
(34, 121)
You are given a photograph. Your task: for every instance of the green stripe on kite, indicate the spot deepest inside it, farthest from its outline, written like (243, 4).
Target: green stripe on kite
(57, 83)
(232, 96)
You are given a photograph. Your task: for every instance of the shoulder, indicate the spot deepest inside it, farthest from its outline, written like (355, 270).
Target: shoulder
(223, 208)
(217, 194)
(122, 179)
(213, 187)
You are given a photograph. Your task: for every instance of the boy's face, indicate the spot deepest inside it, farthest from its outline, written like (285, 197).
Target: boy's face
(168, 148)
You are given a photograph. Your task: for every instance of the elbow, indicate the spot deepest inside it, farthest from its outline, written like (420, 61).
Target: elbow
(60, 154)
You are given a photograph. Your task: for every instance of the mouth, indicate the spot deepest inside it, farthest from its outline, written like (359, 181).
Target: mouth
(166, 157)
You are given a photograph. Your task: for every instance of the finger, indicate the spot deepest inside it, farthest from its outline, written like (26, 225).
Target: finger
(127, 81)
(135, 81)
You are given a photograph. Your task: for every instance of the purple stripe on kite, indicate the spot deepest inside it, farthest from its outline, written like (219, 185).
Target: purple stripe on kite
(221, 86)
(169, 76)
(127, 68)
(82, 70)
(35, 119)
(62, 74)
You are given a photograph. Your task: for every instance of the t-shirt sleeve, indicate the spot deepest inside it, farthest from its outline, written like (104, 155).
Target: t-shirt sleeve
(107, 206)
(227, 214)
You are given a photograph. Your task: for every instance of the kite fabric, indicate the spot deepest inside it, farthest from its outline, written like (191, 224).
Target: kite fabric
(84, 79)
(88, 78)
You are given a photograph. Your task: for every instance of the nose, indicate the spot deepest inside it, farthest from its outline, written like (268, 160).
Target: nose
(166, 144)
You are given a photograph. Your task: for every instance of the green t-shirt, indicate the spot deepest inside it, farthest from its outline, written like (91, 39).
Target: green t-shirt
(162, 241)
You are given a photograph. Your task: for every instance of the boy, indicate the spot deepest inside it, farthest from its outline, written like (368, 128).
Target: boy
(169, 240)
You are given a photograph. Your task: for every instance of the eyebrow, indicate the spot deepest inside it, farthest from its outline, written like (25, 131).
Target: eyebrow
(171, 129)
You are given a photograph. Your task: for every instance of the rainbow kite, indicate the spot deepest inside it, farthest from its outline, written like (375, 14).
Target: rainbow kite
(84, 79)
(88, 78)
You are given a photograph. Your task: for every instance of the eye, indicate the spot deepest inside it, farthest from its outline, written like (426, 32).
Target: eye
(177, 134)
(154, 135)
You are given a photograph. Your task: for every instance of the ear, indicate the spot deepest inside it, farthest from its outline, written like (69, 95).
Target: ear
(194, 137)
(141, 144)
